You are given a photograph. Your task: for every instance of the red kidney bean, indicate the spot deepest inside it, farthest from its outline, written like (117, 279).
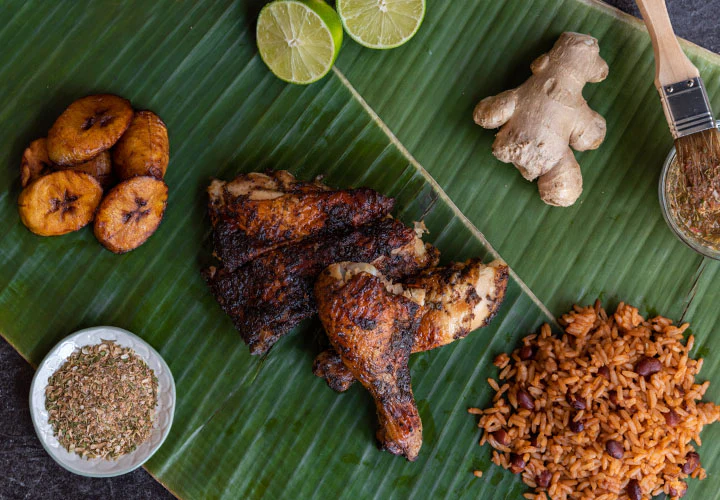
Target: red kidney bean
(633, 490)
(517, 464)
(575, 402)
(692, 462)
(501, 437)
(614, 448)
(576, 426)
(543, 479)
(526, 352)
(647, 366)
(525, 400)
(672, 418)
(679, 490)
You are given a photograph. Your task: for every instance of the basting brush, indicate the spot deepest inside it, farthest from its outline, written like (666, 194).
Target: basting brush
(683, 96)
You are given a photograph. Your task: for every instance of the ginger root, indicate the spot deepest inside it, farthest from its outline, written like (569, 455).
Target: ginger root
(541, 119)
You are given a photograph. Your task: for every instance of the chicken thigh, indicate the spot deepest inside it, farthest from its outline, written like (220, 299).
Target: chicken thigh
(255, 213)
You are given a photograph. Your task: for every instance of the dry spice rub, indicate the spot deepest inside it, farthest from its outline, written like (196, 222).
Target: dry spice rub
(101, 401)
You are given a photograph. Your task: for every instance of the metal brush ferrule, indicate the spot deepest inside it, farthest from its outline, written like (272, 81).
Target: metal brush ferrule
(687, 107)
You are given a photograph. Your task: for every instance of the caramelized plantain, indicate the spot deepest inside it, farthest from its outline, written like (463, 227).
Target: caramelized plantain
(144, 149)
(35, 162)
(59, 203)
(130, 213)
(99, 167)
(88, 127)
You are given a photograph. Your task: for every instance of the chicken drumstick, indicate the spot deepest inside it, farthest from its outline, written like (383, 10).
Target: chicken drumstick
(373, 330)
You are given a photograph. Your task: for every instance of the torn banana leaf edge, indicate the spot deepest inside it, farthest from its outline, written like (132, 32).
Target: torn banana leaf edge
(625, 18)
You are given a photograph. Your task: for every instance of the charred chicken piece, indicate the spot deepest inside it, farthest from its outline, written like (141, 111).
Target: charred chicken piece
(458, 299)
(271, 294)
(373, 329)
(256, 212)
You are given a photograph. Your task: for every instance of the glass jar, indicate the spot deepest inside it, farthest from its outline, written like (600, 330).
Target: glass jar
(693, 241)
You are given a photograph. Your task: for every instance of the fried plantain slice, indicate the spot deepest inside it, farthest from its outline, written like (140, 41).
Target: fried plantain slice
(99, 167)
(59, 203)
(88, 127)
(35, 162)
(130, 213)
(144, 149)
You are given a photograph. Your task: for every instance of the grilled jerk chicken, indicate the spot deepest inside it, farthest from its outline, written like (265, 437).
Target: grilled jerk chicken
(458, 299)
(271, 294)
(373, 329)
(257, 212)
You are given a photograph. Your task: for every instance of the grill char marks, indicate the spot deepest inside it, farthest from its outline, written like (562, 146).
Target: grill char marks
(269, 295)
(256, 213)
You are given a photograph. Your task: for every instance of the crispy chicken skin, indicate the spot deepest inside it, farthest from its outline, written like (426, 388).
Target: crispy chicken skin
(271, 294)
(458, 299)
(329, 366)
(373, 330)
(257, 212)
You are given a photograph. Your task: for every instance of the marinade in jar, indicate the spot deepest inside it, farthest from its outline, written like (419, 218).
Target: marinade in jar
(693, 192)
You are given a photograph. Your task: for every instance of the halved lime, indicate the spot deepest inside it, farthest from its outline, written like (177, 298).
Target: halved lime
(381, 24)
(299, 40)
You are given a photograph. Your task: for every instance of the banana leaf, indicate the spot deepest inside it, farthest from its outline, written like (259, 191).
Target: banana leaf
(398, 121)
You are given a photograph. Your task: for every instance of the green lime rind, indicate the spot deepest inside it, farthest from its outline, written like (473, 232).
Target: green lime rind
(313, 25)
(331, 19)
(342, 7)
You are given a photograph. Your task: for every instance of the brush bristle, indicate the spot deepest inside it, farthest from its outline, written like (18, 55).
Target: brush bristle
(699, 152)
(698, 157)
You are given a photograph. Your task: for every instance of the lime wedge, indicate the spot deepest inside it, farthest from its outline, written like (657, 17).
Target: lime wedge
(381, 24)
(299, 40)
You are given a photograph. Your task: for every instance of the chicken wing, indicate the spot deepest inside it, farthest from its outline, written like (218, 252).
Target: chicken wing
(458, 299)
(255, 213)
(271, 294)
(373, 329)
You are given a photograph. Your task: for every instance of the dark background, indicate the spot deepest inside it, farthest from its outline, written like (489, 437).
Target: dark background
(27, 472)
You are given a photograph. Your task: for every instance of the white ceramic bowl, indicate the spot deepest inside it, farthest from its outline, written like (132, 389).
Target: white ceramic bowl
(99, 467)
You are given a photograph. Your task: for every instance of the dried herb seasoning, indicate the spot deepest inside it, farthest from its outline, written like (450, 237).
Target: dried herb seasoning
(101, 401)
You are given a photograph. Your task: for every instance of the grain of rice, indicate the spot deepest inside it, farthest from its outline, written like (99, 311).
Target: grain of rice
(595, 361)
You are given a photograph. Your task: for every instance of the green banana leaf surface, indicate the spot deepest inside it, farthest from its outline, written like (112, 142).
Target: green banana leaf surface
(398, 121)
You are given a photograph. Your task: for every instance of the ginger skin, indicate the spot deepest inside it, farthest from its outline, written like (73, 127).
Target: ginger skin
(547, 115)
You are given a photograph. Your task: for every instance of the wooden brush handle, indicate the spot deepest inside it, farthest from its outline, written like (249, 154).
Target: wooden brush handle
(671, 63)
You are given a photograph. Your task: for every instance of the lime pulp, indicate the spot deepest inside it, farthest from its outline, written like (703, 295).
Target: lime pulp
(299, 40)
(381, 24)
